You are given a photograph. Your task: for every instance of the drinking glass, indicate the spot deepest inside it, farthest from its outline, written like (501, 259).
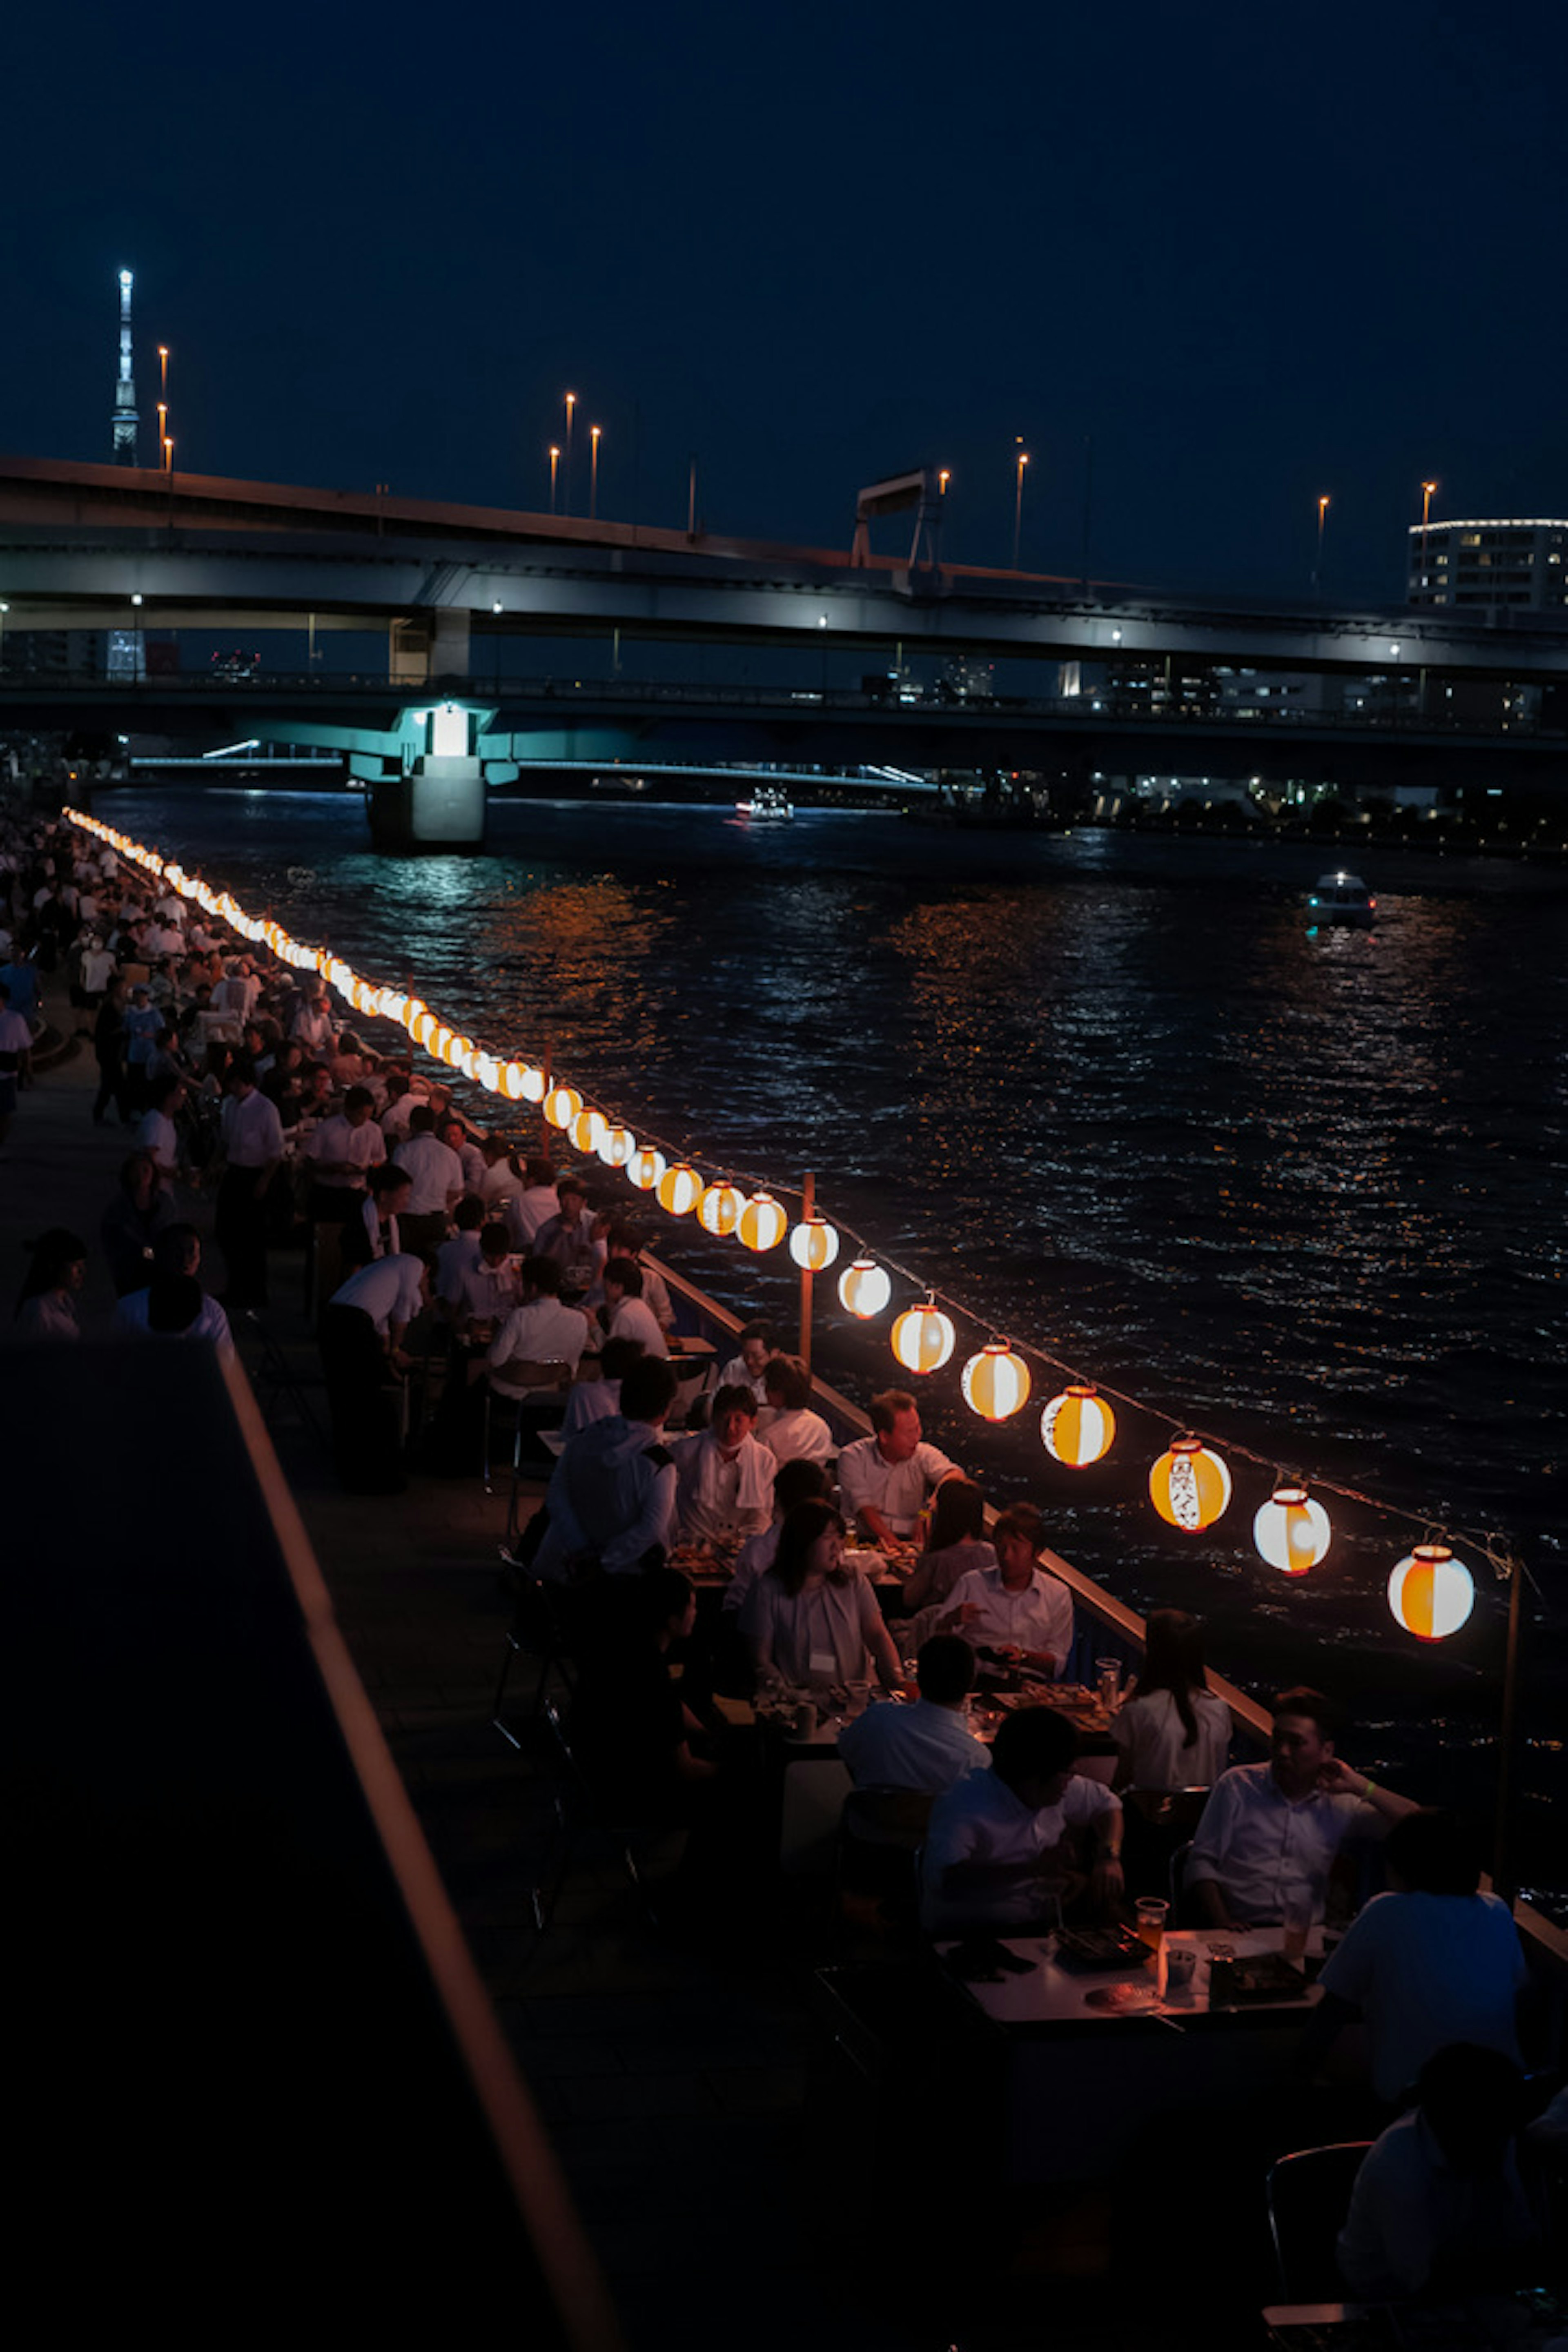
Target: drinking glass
(1107, 1673)
(1298, 1925)
(1152, 1914)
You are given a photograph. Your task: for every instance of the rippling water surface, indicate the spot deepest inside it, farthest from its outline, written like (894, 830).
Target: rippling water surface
(1307, 1191)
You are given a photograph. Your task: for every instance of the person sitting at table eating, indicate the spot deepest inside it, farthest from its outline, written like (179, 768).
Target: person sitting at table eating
(1172, 1733)
(1433, 1961)
(726, 1477)
(756, 1344)
(786, 1426)
(799, 1481)
(1014, 1607)
(955, 1543)
(813, 1618)
(1004, 1845)
(626, 1316)
(927, 1746)
(1438, 2209)
(595, 1400)
(540, 1331)
(1271, 1832)
(610, 1505)
(885, 1480)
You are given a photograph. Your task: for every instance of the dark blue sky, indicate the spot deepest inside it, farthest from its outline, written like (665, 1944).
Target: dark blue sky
(1256, 254)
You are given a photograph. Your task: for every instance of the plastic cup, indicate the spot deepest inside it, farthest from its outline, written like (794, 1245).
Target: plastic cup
(1108, 1681)
(1298, 1927)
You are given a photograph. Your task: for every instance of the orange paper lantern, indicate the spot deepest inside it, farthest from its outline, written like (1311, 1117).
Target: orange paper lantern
(814, 1244)
(996, 1382)
(645, 1167)
(922, 1339)
(1078, 1427)
(1290, 1530)
(865, 1289)
(1189, 1486)
(679, 1189)
(719, 1210)
(763, 1224)
(1432, 1594)
(617, 1146)
(562, 1105)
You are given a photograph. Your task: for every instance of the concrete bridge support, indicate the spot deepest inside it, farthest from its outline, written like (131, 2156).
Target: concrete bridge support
(439, 804)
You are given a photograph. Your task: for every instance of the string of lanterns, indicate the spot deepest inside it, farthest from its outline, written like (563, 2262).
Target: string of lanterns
(1430, 1592)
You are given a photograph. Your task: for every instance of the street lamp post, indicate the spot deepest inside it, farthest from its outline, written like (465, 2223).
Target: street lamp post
(594, 435)
(566, 487)
(1323, 518)
(1018, 504)
(1426, 490)
(554, 468)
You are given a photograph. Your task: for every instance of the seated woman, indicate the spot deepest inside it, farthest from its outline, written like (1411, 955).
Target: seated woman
(1432, 1962)
(1172, 1733)
(812, 1618)
(955, 1545)
(1014, 1608)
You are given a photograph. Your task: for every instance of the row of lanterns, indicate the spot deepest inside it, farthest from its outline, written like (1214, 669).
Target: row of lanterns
(1430, 1592)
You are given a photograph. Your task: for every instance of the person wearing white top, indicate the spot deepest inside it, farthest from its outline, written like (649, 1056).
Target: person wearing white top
(1001, 1843)
(1271, 1832)
(758, 1342)
(627, 1317)
(487, 1285)
(340, 1154)
(1014, 1606)
(1433, 1963)
(928, 1747)
(726, 1479)
(361, 1333)
(437, 1174)
(156, 1133)
(885, 1480)
(813, 1618)
(1172, 1733)
(542, 1331)
(253, 1148)
(788, 1427)
(534, 1204)
(175, 1306)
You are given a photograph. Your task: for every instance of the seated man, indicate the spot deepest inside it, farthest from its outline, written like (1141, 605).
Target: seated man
(568, 1237)
(626, 1316)
(928, 1747)
(788, 1428)
(611, 1503)
(1270, 1831)
(174, 1304)
(1002, 1843)
(596, 1400)
(755, 1343)
(1014, 1607)
(726, 1478)
(542, 1331)
(885, 1480)
(459, 1253)
(485, 1291)
(1438, 2209)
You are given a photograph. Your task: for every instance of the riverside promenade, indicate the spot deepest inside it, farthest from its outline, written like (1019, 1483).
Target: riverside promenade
(727, 2165)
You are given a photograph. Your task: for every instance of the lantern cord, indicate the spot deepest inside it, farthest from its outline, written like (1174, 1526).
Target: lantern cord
(1494, 1547)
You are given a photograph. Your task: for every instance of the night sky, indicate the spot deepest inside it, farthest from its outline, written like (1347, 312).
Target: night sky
(1256, 254)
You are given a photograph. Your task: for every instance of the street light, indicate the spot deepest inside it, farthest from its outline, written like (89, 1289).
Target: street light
(1426, 490)
(163, 367)
(566, 490)
(943, 481)
(162, 423)
(555, 467)
(594, 435)
(1323, 518)
(1018, 501)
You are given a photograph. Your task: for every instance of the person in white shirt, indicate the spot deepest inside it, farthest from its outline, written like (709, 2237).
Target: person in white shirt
(373, 1231)
(1172, 1733)
(471, 1158)
(1271, 1832)
(1002, 1845)
(611, 1503)
(626, 1317)
(928, 1747)
(756, 1342)
(459, 1253)
(437, 1177)
(402, 1100)
(596, 1400)
(886, 1478)
(794, 1482)
(1432, 1962)
(1438, 2208)
(542, 1331)
(253, 1148)
(340, 1154)
(726, 1478)
(486, 1290)
(156, 1133)
(175, 1306)
(361, 1332)
(568, 1237)
(813, 1618)
(788, 1427)
(1014, 1607)
(313, 1022)
(499, 1182)
(16, 1060)
(535, 1201)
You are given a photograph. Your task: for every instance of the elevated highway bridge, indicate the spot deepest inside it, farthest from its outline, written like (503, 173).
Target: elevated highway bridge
(104, 547)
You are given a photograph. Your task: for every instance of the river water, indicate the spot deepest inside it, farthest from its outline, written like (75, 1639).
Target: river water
(1304, 1191)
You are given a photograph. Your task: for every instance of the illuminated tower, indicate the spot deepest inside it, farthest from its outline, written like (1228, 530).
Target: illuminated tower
(125, 418)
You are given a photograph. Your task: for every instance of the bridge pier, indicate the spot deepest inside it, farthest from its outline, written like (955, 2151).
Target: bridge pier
(439, 804)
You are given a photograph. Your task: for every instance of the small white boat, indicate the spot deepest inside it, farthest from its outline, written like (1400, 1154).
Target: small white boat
(1342, 899)
(769, 804)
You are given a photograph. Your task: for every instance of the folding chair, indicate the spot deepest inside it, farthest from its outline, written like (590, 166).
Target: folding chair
(536, 1631)
(1308, 2195)
(530, 1389)
(579, 1814)
(273, 1379)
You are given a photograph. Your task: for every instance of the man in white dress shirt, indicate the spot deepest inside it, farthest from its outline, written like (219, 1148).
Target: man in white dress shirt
(361, 1331)
(1002, 1843)
(437, 1178)
(341, 1152)
(253, 1147)
(726, 1478)
(175, 1305)
(542, 1331)
(626, 1315)
(1014, 1606)
(156, 1133)
(1271, 1832)
(756, 1343)
(885, 1479)
(928, 1747)
(788, 1427)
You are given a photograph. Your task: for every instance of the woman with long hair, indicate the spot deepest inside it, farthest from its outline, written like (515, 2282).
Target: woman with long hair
(813, 1618)
(955, 1544)
(45, 1306)
(1172, 1733)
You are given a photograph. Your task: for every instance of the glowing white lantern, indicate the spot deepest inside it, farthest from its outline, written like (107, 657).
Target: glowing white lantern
(645, 1167)
(1078, 1427)
(588, 1129)
(814, 1243)
(719, 1210)
(562, 1105)
(617, 1146)
(865, 1289)
(922, 1339)
(679, 1189)
(1432, 1594)
(996, 1382)
(1291, 1531)
(763, 1224)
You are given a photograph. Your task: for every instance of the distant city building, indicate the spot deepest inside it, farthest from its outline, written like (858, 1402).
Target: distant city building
(1491, 569)
(125, 417)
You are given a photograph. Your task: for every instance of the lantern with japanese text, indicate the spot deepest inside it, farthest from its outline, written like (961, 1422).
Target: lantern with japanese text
(1189, 1486)
(1432, 1594)
(1290, 1530)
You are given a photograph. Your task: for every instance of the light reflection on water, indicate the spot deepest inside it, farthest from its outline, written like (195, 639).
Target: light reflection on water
(1305, 1189)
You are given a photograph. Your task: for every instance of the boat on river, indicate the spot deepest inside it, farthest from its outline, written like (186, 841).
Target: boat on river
(1341, 897)
(769, 804)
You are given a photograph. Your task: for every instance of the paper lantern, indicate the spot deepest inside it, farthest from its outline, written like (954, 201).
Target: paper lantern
(679, 1189)
(588, 1129)
(617, 1146)
(719, 1210)
(922, 1339)
(511, 1081)
(487, 1073)
(534, 1083)
(996, 1382)
(562, 1105)
(1189, 1487)
(645, 1167)
(1078, 1427)
(1291, 1531)
(1432, 1594)
(814, 1244)
(865, 1289)
(456, 1051)
(763, 1224)
(426, 1030)
(470, 1065)
(412, 1014)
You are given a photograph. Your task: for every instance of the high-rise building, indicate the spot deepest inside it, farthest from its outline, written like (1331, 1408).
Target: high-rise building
(125, 416)
(1491, 569)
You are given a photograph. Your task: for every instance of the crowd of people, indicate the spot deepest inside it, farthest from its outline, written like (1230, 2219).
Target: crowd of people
(870, 1563)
